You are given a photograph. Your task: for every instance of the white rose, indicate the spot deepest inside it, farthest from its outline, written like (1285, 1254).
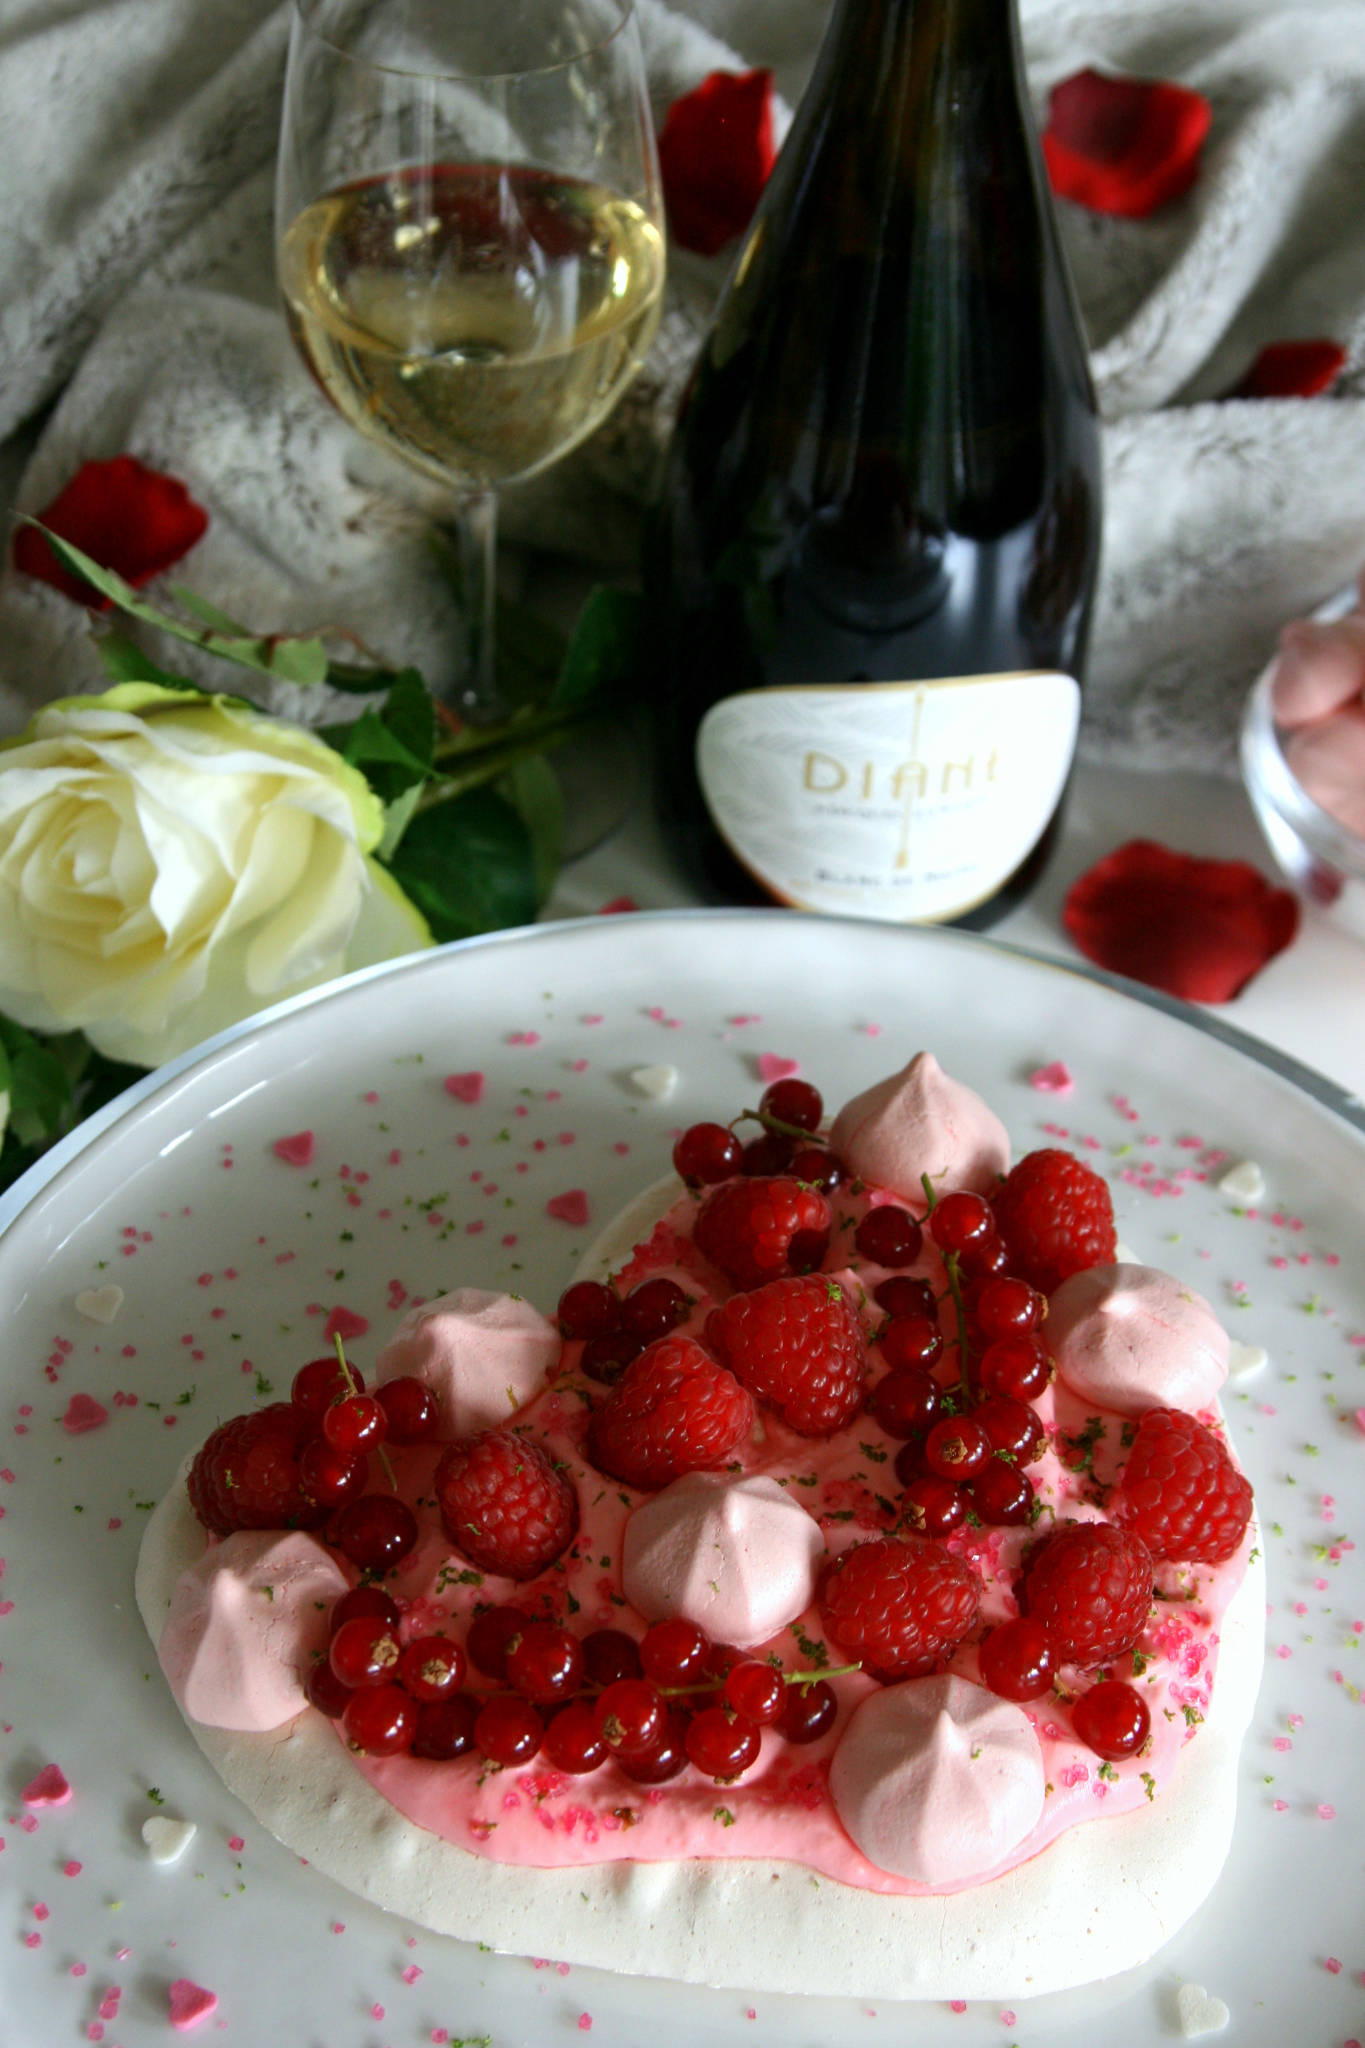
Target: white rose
(170, 863)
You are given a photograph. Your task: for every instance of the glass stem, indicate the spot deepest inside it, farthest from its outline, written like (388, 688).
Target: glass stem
(476, 520)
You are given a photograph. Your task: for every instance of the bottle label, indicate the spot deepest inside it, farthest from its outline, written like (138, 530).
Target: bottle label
(903, 801)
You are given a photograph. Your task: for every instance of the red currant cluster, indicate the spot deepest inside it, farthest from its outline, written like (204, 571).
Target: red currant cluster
(790, 1113)
(654, 1706)
(375, 1531)
(1019, 1662)
(614, 1328)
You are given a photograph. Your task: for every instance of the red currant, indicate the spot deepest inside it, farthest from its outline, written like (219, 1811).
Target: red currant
(572, 1742)
(1012, 1426)
(370, 1602)
(330, 1476)
(983, 1260)
(630, 1716)
(654, 1308)
(912, 1340)
(906, 1403)
(768, 1156)
(1006, 1307)
(609, 1654)
(706, 1154)
(1017, 1660)
(491, 1634)
(588, 1309)
(959, 1220)
(756, 1692)
(818, 1168)
(889, 1236)
(432, 1667)
(956, 1448)
(319, 1383)
(665, 1759)
(791, 1101)
(899, 1295)
(375, 1531)
(508, 1729)
(325, 1690)
(445, 1728)
(674, 1652)
(933, 1506)
(807, 1711)
(364, 1652)
(1001, 1495)
(721, 1744)
(1112, 1719)
(545, 1664)
(380, 1722)
(356, 1424)
(410, 1409)
(1017, 1366)
(909, 1462)
(604, 1359)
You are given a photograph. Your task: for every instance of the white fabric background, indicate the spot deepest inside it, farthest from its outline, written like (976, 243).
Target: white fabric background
(137, 313)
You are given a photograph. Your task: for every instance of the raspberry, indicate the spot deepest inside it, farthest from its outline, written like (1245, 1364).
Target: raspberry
(1180, 1491)
(673, 1410)
(1090, 1586)
(1056, 1217)
(797, 1344)
(901, 1605)
(246, 1475)
(760, 1230)
(504, 1504)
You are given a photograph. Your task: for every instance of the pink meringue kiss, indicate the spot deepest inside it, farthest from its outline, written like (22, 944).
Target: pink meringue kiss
(735, 1556)
(921, 1122)
(243, 1625)
(483, 1356)
(1132, 1338)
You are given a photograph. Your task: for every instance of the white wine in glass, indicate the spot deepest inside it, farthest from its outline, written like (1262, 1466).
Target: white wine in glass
(470, 240)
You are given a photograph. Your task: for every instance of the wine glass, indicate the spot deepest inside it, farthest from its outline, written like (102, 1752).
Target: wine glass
(470, 241)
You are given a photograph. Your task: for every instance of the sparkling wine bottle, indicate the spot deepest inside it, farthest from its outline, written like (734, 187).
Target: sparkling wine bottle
(876, 549)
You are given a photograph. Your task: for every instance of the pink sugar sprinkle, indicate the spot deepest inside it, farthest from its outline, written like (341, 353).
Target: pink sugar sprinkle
(585, 2023)
(32, 1940)
(523, 1038)
(376, 2012)
(235, 1843)
(295, 1150)
(338, 1927)
(465, 1087)
(773, 1066)
(94, 2032)
(1330, 1963)
(411, 1974)
(78, 1969)
(41, 1910)
(73, 1869)
(1280, 1805)
(957, 2005)
(1327, 1812)
(1007, 2019)
(1054, 1079)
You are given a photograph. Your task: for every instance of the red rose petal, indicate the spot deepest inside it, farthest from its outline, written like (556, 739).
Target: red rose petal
(715, 152)
(1123, 145)
(1293, 369)
(124, 516)
(1199, 929)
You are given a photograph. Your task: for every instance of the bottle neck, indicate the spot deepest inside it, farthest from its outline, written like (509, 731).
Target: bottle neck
(874, 46)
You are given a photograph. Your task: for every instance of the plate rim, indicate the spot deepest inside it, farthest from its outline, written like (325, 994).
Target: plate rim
(1318, 1087)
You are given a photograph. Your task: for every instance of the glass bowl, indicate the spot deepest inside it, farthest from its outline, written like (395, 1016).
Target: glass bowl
(1324, 859)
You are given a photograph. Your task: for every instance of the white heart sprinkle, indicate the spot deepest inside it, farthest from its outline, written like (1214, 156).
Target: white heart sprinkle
(1198, 2013)
(100, 1304)
(1243, 1183)
(657, 1083)
(1246, 1360)
(167, 1839)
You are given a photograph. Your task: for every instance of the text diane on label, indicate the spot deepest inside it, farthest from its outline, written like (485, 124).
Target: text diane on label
(904, 801)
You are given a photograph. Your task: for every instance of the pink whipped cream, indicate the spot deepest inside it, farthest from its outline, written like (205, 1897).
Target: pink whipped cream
(938, 1780)
(920, 1122)
(736, 1556)
(243, 1624)
(783, 1808)
(1131, 1338)
(483, 1355)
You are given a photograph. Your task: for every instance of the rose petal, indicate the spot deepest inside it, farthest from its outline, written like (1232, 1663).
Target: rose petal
(715, 152)
(1123, 145)
(1199, 929)
(1293, 369)
(125, 516)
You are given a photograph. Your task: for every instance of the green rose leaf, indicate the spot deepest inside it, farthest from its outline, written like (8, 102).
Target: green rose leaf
(532, 786)
(604, 654)
(392, 743)
(38, 1082)
(124, 662)
(468, 865)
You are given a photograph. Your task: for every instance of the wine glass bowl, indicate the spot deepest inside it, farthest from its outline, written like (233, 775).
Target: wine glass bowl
(470, 238)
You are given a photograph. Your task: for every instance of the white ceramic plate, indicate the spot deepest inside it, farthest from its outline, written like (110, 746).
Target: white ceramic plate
(229, 1259)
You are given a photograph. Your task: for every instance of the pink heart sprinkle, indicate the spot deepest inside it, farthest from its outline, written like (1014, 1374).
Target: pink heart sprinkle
(1055, 1079)
(83, 1412)
(295, 1151)
(771, 1067)
(51, 1787)
(465, 1087)
(569, 1208)
(190, 2003)
(344, 1323)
